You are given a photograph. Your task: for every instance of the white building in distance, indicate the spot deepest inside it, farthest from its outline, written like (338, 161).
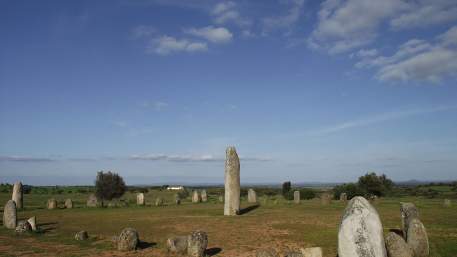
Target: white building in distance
(175, 188)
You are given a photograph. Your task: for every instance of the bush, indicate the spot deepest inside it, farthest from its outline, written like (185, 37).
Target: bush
(375, 185)
(351, 190)
(306, 194)
(286, 190)
(109, 186)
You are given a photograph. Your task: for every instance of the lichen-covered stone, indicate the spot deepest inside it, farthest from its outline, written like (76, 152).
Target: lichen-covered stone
(52, 204)
(269, 252)
(311, 252)
(68, 203)
(32, 222)
(397, 247)
(204, 196)
(10, 215)
(417, 238)
(297, 196)
(17, 196)
(177, 244)
(408, 211)
(361, 232)
(92, 201)
(81, 235)
(23, 227)
(197, 242)
(252, 196)
(232, 182)
(140, 199)
(293, 254)
(128, 240)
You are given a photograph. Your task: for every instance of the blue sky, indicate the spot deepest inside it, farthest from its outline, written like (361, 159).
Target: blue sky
(157, 89)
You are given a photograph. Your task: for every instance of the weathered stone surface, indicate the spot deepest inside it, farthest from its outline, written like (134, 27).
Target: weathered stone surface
(232, 182)
(296, 196)
(417, 238)
(159, 201)
(197, 242)
(267, 253)
(408, 211)
(293, 254)
(204, 196)
(326, 198)
(10, 215)
(311, 252)
(343, 197)
(32, 222)
(92, 201)
(177, 244)
(196, 197)
(52, 204)
(18, 195)
(23, 227)
(128, 240)
(69, 204)
(397, 247)
(140, 199)
(81, 235)
(447, 203)
(360, 233)
(252, 196)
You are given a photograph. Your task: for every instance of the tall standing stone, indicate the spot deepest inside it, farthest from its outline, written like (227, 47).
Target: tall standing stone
(195, 197)
(18, 195)
(296, 196)
(232, 182)
(343, 197)
(417, 238)
(140, 199)
(10, 215)
(361, 233)
(408, 212)
(204, 196)
(252, 196)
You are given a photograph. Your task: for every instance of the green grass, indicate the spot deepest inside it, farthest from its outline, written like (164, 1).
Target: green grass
(282, 225)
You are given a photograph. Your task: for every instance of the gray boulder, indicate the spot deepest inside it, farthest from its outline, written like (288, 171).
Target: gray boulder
(197, 242)
(10, 215)
(177, 244)
(81, 235)
(397, 247)
(361, 232)
(23, 227)
(128, 240)
(408, 212)
(270, 252)
(417, 238)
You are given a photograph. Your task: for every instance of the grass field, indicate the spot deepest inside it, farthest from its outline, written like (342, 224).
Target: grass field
(278, 224)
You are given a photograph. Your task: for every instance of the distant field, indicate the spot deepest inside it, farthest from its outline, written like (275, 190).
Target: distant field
(282, 225)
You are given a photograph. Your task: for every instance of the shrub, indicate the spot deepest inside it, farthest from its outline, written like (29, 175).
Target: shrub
(375, 185)
(306, 194)
(286, 190)
(351, 190)
(109, 186)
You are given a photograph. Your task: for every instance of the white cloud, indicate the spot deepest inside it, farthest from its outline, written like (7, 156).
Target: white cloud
(286, 21)
(191, 158)
(212, 34)
(25, 159)
(166, 45)
(226, 12)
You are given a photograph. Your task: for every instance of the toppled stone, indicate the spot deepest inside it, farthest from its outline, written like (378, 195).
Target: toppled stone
(23, 227)
(10, 215)
(197, 242)
(32, 222)
(81, 235)
(417, 238)
(270, 252)
(177, 244)
(311, 252)
(397, 247)
(293, 254)
(361, 232)
(128, 240)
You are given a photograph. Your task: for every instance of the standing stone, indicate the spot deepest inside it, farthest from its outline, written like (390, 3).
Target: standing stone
(361, 233)
(140, 199)
(204, 196)
(18, 195)
(252, 196)
(197, 242)
(32, 222)
(128, 240)
(447, 203)
(81, 235)
(52, 204)
(270, 252)
(159, 201)
(177, 200)
(92, 201)
(343, 197)
(326, 198)
(195, 197)
(69, 204)
(10, 215)
(417, 238)
(177, 244)
(232, 182)
(397, 247)
(297, 196)
(311, 252)
(408, 212)
(23, 227)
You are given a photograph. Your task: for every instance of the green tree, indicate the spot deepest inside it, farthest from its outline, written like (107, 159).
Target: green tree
(286, 190)
(109, 186)
(374, 184)
(351, 190)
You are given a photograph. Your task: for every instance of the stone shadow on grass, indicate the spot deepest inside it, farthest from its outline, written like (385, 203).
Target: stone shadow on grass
(144, 245)
(213, 251)
(248, 209)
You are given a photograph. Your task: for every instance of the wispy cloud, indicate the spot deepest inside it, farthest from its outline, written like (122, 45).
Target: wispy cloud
(191, 158)
(378, 118)
(165, 45)
(25, 159)
(227, 12)
(156, 105)
(211, 33)
(286, 21)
